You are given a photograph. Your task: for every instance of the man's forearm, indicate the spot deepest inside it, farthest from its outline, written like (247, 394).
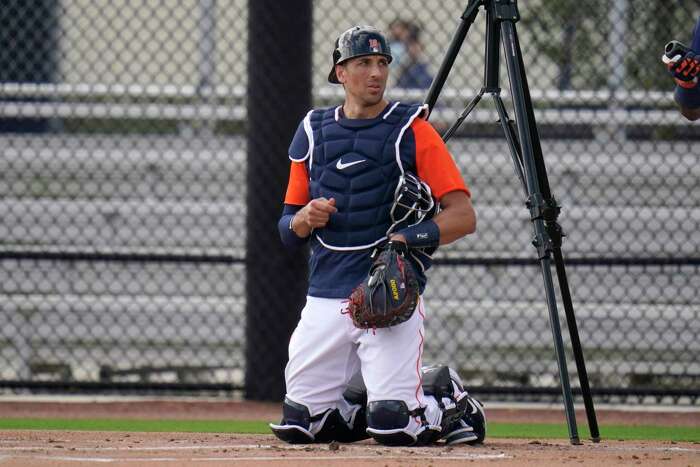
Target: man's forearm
(288, 236)
(457, 217)
(688, 98)
(687, 95)
(690, 114)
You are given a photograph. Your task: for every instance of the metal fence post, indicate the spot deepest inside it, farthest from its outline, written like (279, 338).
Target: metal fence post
(614, 131)
(279, 94)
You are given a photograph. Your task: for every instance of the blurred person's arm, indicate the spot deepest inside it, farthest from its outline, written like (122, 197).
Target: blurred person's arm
(686, 72)
(690, 114)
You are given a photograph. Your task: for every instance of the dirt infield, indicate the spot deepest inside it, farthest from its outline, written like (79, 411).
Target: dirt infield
(71, 448)
(44, 448)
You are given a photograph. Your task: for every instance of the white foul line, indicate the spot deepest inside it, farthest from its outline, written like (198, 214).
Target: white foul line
(230, 447)
(132, 448)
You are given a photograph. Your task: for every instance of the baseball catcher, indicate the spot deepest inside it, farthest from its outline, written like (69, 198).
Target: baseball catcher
(366, 180)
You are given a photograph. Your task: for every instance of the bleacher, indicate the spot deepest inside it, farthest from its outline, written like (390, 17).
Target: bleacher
(130, 194)
(118, 101)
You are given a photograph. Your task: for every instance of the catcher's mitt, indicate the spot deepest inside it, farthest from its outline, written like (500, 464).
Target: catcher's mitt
(389, 295)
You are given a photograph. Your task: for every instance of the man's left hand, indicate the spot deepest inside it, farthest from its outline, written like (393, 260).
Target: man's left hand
(686, 70)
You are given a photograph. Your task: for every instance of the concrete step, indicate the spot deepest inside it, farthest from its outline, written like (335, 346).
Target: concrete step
(220, 226)
(85, 333)
(106, 167)
(618, 284)
(643, 285)
(484, 338)
(610, 231)
(133, 224)
(179, 321)
(581, 172)
(118, 279)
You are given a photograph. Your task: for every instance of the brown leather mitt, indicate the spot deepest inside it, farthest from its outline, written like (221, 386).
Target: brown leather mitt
(390, 293)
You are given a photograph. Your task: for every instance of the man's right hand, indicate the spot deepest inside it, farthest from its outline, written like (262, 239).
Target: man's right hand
(314, 215)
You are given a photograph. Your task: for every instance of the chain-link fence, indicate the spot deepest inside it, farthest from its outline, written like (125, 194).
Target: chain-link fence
(126, 200)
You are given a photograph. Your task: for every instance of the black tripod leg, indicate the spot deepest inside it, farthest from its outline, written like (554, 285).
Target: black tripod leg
(559, 349)
(468, 18)
(551, 211)
(576, 344)
(516, 152)
(555, 235)
(516, 155)
(451, 130)
(528, 138)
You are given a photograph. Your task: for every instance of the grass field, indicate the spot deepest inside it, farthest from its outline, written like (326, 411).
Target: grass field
(495, 430)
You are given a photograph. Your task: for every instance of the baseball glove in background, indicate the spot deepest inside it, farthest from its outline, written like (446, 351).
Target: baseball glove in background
(389, 295)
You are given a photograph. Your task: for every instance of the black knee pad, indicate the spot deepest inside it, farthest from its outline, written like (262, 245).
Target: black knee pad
(387, 422)
(295, 424)
(463, 422)
(437, 382)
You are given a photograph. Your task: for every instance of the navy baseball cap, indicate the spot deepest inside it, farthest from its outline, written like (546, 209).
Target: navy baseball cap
(357, 42)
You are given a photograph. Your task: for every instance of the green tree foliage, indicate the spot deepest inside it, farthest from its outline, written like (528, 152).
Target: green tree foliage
(576, 36)
(570, 33)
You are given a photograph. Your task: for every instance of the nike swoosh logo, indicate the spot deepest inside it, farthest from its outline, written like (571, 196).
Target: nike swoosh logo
(341, 166)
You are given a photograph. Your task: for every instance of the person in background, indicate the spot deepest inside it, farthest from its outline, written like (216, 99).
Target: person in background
(398, 39)
(410, 65)
(686, 72)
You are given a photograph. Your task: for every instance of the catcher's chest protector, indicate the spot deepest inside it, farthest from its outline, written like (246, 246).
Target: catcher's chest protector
(358, 162)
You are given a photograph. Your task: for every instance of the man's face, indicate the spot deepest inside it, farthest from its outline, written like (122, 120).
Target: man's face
(364, 78)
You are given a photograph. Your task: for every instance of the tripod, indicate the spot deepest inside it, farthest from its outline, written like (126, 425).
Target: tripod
(526, 152)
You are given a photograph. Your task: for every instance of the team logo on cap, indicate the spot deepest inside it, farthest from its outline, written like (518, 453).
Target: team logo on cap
(374, 45)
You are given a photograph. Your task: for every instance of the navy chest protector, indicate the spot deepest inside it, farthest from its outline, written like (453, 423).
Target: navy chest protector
(358, 163)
